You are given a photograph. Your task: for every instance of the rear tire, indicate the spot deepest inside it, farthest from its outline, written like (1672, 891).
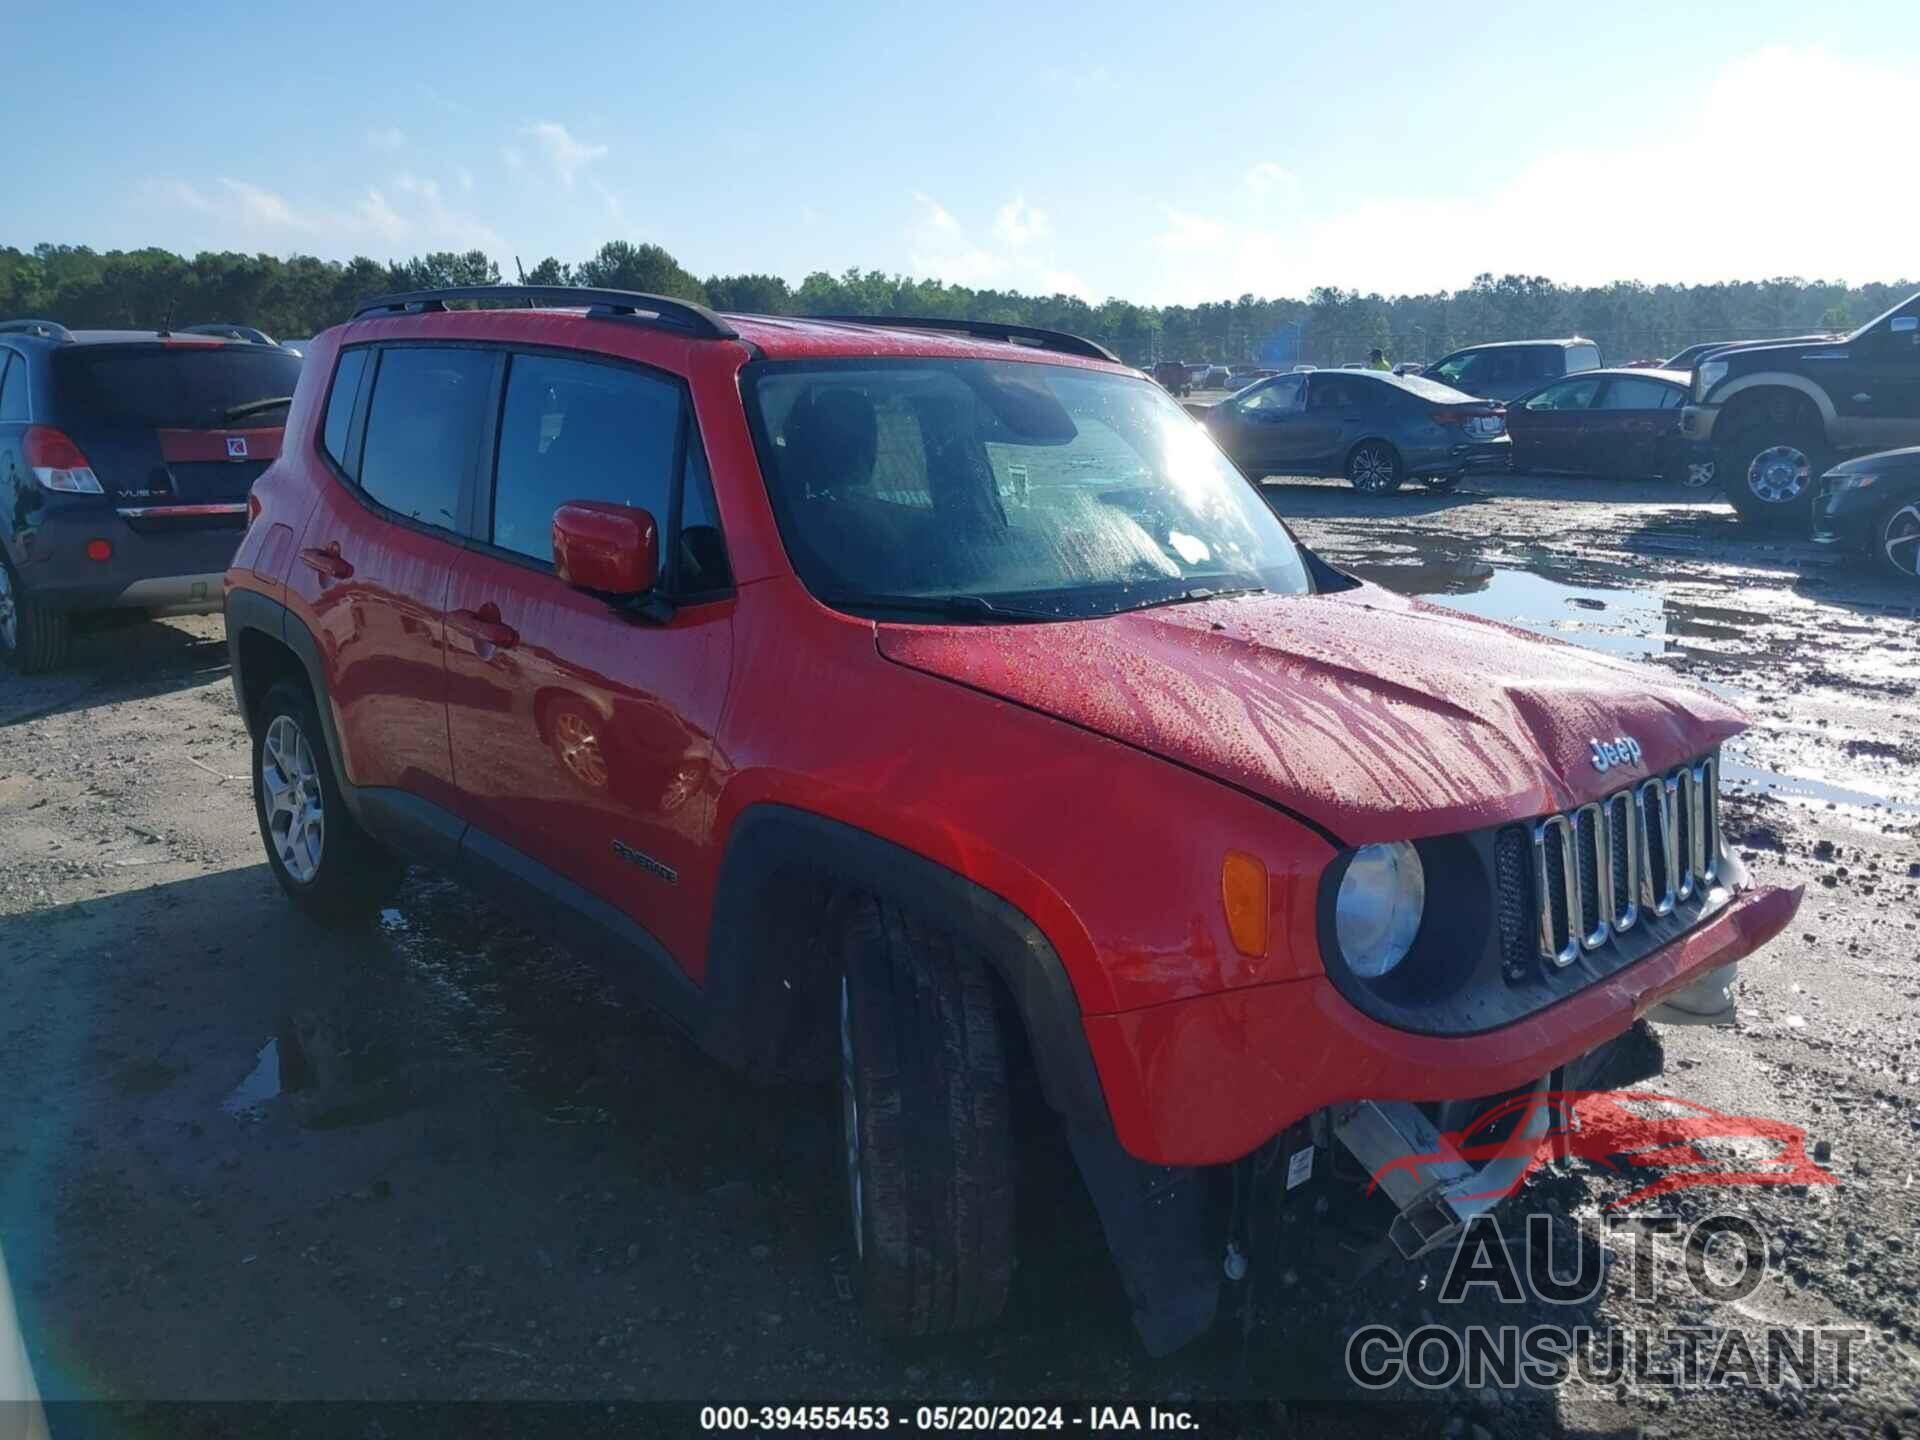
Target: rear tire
(1374, 468)
(327, 864)
(1896, 541)
(925, 1126)
(1770, 474)
(33, 638)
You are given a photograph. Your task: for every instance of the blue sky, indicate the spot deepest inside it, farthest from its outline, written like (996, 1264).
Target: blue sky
(1159, 152)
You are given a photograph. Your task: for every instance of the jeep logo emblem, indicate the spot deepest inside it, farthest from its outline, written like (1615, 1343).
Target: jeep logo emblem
(1620, 750)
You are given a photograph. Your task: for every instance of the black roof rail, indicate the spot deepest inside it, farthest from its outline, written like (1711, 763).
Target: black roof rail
(1032, 335)
(45, 329)
(682, 315)
(232, 332)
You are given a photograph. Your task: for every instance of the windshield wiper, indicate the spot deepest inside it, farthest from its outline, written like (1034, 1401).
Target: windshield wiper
(234, 412)
(1199, 592)
(950, 607)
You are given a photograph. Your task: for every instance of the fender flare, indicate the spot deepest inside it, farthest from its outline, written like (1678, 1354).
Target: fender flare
(1777, 380)
(746, 964)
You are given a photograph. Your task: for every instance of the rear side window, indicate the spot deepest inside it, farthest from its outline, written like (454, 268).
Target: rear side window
(425, 425)
(174, 387)
(13, 386)
(574, 430)
(1582, 357)
(1633, 393)
(1568, 395)
(346, 389)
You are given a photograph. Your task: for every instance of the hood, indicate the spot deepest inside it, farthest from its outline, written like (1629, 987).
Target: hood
(1367, 714)
(1764, 354)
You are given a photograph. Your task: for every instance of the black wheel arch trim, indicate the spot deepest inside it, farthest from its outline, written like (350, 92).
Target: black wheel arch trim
(743, 963)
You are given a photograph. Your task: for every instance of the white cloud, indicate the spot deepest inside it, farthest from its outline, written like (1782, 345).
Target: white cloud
(408, 212)
(1718, 192)
(388, 138)
(1017, 254)
(1270, 176)
(1018, 225)
(566, 155)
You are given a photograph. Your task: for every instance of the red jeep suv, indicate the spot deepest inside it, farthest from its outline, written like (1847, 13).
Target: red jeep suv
(932, 705)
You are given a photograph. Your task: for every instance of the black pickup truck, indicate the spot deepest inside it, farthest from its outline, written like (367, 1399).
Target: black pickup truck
(1778, 415)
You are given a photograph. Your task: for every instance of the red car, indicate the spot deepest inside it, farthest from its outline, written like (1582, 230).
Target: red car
(930, 706)
(1631, 1128)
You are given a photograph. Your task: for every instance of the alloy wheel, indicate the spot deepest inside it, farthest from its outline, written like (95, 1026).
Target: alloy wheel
(850, 1122)
(1372, 469)
(1779, 474)
(1698, 474)
(290, 794)
(9, 612)
(1900, 540)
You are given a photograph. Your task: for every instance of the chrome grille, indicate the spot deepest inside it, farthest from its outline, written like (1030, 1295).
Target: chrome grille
(1596, 871)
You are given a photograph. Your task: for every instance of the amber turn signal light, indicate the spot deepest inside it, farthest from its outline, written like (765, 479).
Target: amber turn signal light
(1243, 891)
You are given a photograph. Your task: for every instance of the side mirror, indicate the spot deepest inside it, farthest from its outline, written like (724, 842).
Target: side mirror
(612, 549)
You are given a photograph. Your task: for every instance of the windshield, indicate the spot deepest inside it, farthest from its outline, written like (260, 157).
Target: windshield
(1059, 492)
(1455, 368)
(176, 387)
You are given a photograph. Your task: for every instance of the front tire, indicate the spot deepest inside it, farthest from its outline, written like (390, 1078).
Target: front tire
(1374, 468)
(33, 638)
(1896, 541)
(1770, 475)
(326, 863)
(925, 1126)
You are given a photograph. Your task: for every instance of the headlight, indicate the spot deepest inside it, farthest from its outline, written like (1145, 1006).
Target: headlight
(1850, 482)
(1707, 376)
(1377, 912)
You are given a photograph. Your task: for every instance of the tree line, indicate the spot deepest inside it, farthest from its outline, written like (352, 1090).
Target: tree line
(300, 295)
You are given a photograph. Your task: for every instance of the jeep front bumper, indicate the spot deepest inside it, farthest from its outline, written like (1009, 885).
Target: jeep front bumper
(1207, 1080)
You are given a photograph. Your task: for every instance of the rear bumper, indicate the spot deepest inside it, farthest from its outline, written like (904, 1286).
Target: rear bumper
(1207, 1080)
(1478, 457)
(160, 560)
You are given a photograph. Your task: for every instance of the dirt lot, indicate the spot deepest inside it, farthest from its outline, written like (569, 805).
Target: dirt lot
(245, 1160)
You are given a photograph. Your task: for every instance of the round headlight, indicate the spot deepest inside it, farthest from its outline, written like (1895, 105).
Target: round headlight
(1377, 912)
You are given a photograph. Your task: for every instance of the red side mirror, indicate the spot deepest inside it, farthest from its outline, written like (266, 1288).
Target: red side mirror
(614, 549)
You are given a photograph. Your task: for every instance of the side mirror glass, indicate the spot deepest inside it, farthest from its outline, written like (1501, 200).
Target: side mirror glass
(609, 549)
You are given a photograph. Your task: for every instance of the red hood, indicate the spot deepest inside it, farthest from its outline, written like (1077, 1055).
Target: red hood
(1373, 716)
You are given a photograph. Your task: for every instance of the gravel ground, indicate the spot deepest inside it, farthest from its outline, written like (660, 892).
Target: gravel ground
(244, 1160)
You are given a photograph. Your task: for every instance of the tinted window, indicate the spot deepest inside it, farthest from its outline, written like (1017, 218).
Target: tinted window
(177, 386)
(346, 385)
(1572, 395)
(13, 386)
(1635, 393)
(1333, 393)
(424, 427)
(1280, 395)
(572, 430)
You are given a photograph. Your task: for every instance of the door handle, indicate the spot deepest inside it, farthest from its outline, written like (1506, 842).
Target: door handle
(485, 625)
(327, 562)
